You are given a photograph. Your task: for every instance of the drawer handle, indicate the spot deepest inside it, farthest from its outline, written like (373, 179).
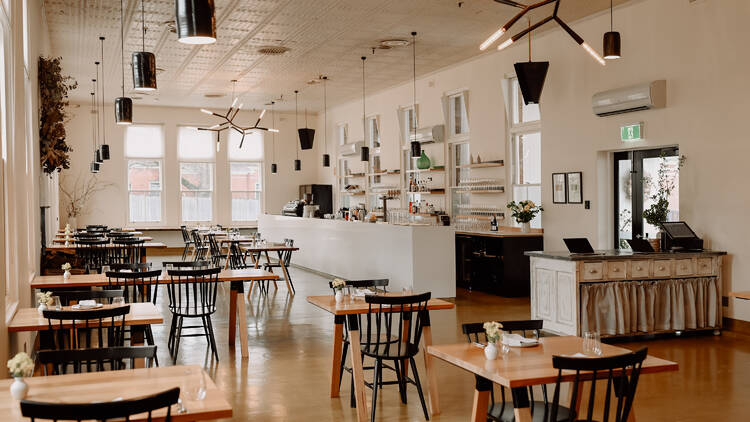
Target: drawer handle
(705, 265)
(661, 268)
(592, 271)
(615, 270)
(638, 268)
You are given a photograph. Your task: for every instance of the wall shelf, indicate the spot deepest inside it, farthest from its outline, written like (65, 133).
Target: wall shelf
(481, 165)
(430, 192)
(480, 191)
(353, 193)
(385, 173)
(354, 175)
(500, 216)
(430, 170)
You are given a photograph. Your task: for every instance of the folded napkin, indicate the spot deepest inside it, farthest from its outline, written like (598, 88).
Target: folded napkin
(85, 303)
(516, 340)
(362, 292)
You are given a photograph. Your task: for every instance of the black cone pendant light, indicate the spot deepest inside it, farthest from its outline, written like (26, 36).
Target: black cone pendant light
(611, 39)
(531, 76)
(103, 151)
(195, 21)
(415, 146)
(94, 166)
(97, 152)
(326, 157)
(306, 135)
(365, 152)
(297, 162)
(123, 105)
(144, 62)
(274, 167)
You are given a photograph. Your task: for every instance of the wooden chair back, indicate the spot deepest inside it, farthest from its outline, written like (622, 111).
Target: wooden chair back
(384, 327)
(192, 293)
(105, 326)
(131, 266)
(101, 411)
(139, 286)
(70, 297)
(474, 331)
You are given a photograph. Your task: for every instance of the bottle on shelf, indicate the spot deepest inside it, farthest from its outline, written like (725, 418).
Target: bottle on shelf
(493, 223)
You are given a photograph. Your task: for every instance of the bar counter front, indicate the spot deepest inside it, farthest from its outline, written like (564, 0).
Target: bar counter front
(620, 293)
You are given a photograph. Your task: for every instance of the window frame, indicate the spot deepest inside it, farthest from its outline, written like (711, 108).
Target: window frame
(406, 132)
(212, 191)
(369, 120)
(160, 160)
(449, 114)
(342, 140)
(261, 194)
(516, 131)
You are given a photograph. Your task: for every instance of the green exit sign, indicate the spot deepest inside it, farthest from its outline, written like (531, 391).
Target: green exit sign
(631, 133)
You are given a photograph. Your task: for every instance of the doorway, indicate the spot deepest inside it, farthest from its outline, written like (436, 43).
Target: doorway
(636, 175)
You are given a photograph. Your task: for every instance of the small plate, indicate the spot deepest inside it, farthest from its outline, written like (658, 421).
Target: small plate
(526, 344)
(86, 307)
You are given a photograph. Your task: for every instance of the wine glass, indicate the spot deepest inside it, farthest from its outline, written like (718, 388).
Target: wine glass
(193, 389)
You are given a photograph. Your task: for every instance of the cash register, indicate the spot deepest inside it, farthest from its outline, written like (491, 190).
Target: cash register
(293, 208)
(679, 237)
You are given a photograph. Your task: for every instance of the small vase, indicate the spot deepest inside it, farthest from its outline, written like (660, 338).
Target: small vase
(423, 162)
(19, 388)
(339, 295)
(42, 307)
(66, 275)
(655, 244)
(526, 227)
(490, 351)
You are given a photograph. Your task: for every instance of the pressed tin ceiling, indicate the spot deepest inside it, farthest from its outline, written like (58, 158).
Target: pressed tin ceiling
(324, 37)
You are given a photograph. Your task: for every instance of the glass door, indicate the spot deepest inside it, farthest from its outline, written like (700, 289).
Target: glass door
(636, 176)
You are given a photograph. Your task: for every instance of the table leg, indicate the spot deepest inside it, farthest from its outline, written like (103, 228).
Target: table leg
(229, 257)
(428, 365)
(405, 334)
(143, 255)
(357, 372)
(282, 264)
(137, 337)
(338, 342)
(232, 314)
(242, 313)
(481, 399)
(521, 405)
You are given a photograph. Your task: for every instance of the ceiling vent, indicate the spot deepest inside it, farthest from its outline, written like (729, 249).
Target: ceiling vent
(272, 50)
(393, 43)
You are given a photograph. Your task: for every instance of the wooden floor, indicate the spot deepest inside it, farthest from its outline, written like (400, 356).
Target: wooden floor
(287, 374)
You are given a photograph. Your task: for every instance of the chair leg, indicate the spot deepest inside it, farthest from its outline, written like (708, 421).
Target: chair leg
(150, 341)
(178, 334)
(401, 383)
(213, 338)
(172, 330)
(352, 399)
(375, 382)
(419, 388)
(343, 361)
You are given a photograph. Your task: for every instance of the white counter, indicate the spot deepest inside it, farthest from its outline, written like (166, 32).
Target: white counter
(418, 257)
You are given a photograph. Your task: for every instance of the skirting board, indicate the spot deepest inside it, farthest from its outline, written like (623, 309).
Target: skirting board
(737, 325)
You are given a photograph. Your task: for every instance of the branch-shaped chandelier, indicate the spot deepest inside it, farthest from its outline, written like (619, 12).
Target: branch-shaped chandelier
(229, 123)
(525, 9)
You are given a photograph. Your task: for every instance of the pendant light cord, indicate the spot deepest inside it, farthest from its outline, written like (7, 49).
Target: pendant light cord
(611, 19)
(364, 118)
(96, 104)
(104, 128)
(529, 19)
(325, 115)
(122, 48)
(273, 134)
(296, 123)
(143, 26)
(93, 116)
(414, 80)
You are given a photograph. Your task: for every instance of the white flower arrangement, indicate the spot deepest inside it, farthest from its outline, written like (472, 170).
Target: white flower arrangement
(21, 365)
(66, 266)
(494, 331)
(338, 284)
(44, 298)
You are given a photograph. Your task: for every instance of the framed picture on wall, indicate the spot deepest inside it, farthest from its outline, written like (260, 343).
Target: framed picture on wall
(575, 187)
(559, 188)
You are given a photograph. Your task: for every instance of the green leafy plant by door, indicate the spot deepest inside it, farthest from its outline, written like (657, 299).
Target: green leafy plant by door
(53, 102)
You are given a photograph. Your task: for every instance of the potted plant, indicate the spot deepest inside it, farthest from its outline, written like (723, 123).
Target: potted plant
(523, 212)
(44, 299)
(338, 287)
(78, 194)
(19, 367)
(666, 182)
(493, 330)
(66, 267)
(53, 101)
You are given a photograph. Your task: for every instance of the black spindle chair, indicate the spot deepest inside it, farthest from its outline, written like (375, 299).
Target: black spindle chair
(621, 372)
(102, 411)
(377, 284)
(71, 297)
(201, 249)
(191, 265)
(126, 250)
(75, 329)
(92, 252)
(135, 266)
(216, 254)
(187, 240)
(106, 359)
(237, 259)
(285, 259)
(384, 321)
(192, 294)
(503, 411)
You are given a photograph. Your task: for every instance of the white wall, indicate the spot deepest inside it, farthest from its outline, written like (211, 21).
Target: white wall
(698, 48)
(110, 205)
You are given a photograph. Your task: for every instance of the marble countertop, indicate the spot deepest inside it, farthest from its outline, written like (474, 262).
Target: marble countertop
(612, 254)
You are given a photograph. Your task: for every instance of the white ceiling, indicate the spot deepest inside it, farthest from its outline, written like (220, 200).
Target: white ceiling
(325, 37)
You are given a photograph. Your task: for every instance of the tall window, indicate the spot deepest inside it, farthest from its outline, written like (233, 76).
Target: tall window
(458, 119)
(144, 151)
(196, 151)
(373, 132)
(408, 120)
(246, 175)
(525, 149)
(342, 132)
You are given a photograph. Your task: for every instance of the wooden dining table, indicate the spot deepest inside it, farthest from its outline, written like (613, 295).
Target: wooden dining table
(255, 250)
(237, 308)
(524, 367)
(144, 248)
(346, 312)
(61, 233)
(122, 385)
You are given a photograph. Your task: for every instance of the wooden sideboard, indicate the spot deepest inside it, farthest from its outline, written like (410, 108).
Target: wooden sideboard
(620, 293)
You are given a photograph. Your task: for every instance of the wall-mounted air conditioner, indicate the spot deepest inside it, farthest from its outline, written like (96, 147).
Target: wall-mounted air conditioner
(429, 134)
(354, 148)
(633, 98)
